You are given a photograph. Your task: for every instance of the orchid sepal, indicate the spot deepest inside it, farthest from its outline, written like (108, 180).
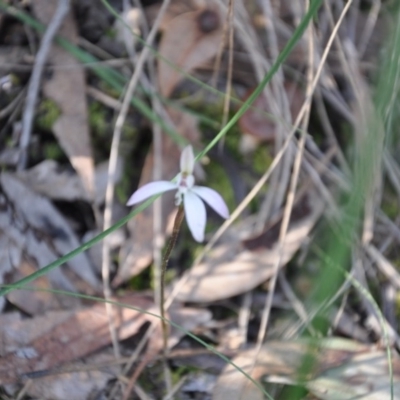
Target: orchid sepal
(150, 189)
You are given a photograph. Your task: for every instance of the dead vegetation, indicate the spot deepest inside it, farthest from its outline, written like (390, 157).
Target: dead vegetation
(299, 288)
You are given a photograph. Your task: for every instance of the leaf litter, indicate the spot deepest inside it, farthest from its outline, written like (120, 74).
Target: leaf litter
(343, 369)
(61, 344)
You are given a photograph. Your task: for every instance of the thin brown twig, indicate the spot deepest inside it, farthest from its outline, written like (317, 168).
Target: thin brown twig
(167, 254)
(171, 244)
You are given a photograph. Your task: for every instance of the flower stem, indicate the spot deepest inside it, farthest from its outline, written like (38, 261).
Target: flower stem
(177, 224)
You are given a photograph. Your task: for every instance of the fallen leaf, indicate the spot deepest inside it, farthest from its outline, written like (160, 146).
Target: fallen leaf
(344, 369)
(235, 267)
(45, 342)
(17, 332)
(78, 384)
(188, 41)
(72, 385)
(49, 179)
(67, 88)
(48, 230)
(23, 244)
(174, 9)
(36, 300)
(187, 318)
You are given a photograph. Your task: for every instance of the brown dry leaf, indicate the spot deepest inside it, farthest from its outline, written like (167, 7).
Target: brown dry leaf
(32, 301)
(344, 370)
(41, 231)
(189, 40)
(21, 243)
(48, 179)
(235, 267)
(175, 8)
(74, 385)
(17, 332)
(44, 342)
(51, 180)
(66, 87)
(187, 318)
(79, 384)
(138, 251)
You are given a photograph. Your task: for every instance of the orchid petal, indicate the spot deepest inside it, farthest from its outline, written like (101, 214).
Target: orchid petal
(187, 160)
(195, 213)
(213, 199)
(149, 190)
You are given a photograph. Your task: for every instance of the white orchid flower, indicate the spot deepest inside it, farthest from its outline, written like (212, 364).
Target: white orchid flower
(192, 196)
